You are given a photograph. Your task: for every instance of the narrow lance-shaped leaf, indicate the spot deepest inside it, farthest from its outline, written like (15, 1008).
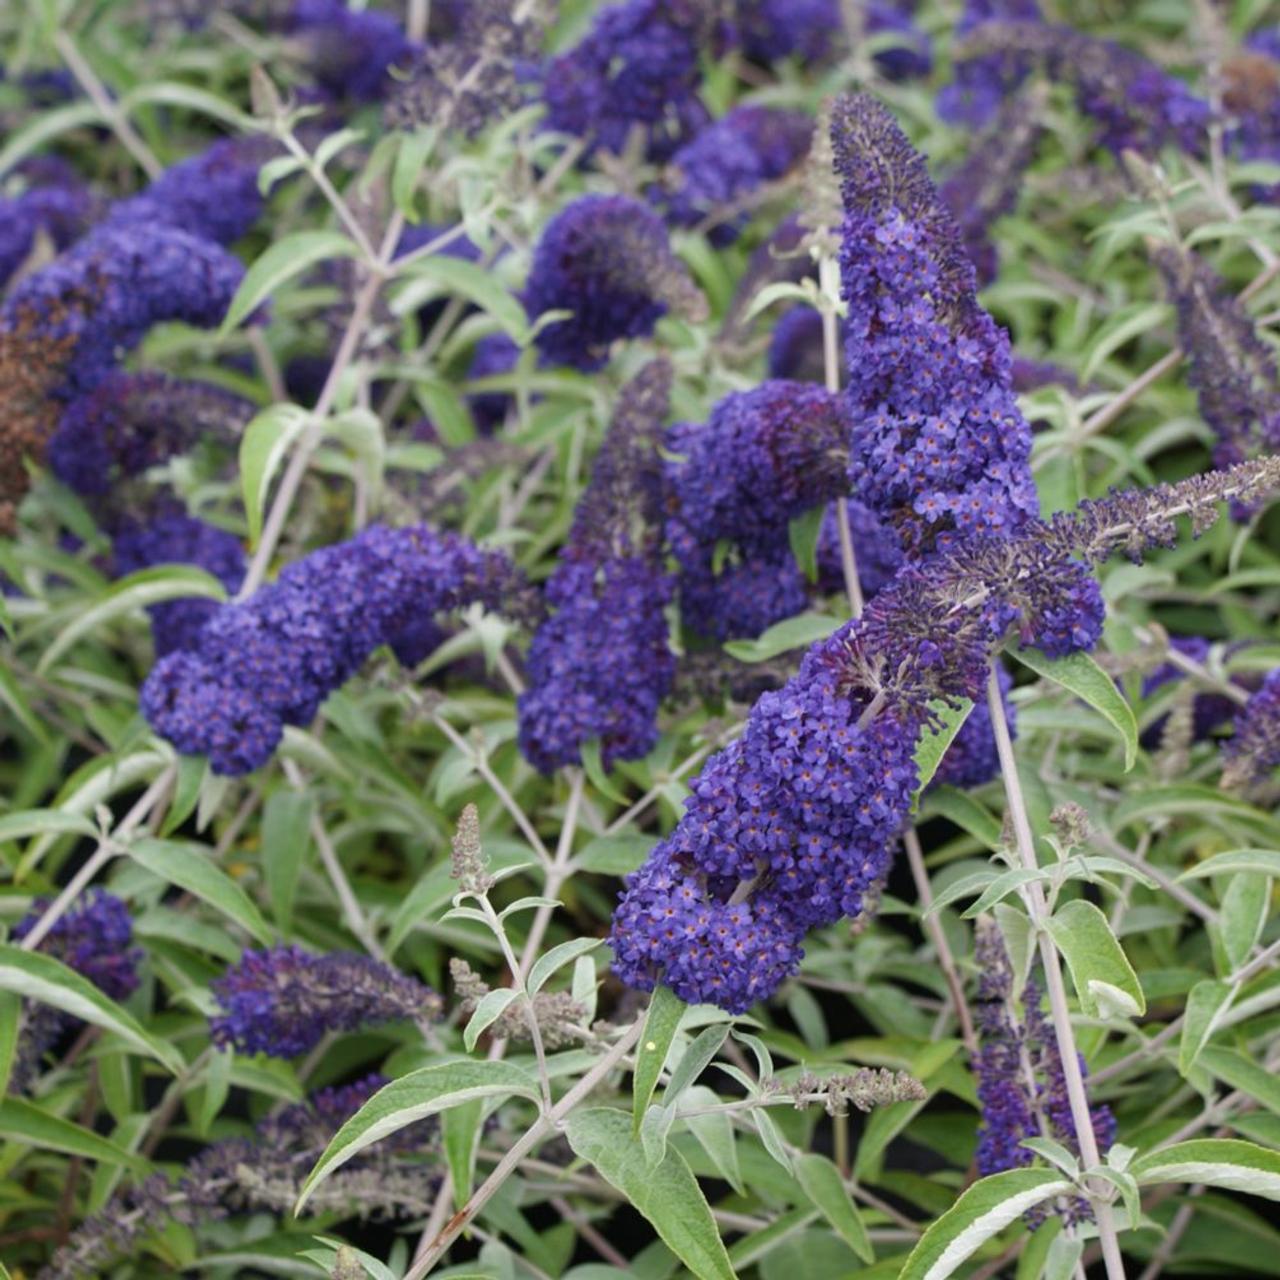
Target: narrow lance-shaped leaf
(280, 263)
(823, 1185)
(414, 1097)
(668, 1195)
(660, 1024)
(262, 448)
(1213, 1162)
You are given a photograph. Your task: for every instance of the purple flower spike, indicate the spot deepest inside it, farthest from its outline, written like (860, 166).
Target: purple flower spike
(283, 1000)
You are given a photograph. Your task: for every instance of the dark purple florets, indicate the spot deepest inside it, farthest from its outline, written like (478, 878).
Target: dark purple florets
(1136, 105)
(637, 69)
(939, 446)
(600, 666)
(494, 354)
(213, 195)
(1208, 710)
(763, 457)
(1232, 369)
(607, 260)
(971, 758)
(350, 52)
(876, 548)
(1254, 749)
(132, 421)
(983, 81)
(283, 1000)
(272, 660)
(795, 347)
(106, 292)
(92, 938)
(60, 206)
(728, 160)
(1021, 1084)
(173, 537)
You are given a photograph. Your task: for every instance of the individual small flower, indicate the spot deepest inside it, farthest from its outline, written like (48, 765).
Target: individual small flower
(271, 660)
(986, 184)
(130, 422)
(607, 260)
(1232, 369)
(107, 291)
(93, 938)
(635, 71)
(1021, 1084)
(349, 52)
(283, 1000)
(1136, 105)
(213, 195)
(1253, 751)
(939, 447)
(600, 665)
(170, 536)
(486, 70)
(719, 170)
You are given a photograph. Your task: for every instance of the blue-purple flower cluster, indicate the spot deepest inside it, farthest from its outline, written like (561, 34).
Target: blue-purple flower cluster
(718, 171)
(213, 195)
(635, 72)
(1135, 104)
(1232, 369)
(108, 290)
(283, 1000)
(981, 82)
(939, 447)
(130, 422)
(607, 260)
(55, 203)
(273, 659)
(601, 665)
(762, 457)
(93, 938)
(971, 758)
(1022, 1088)
(170, 536)
(1208, 709)
(1253, 751)
(349, 52)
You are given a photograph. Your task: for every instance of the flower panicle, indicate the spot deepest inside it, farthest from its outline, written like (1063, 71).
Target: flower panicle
(863, 1089)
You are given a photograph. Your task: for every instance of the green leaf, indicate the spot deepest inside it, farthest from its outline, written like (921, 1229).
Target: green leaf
(668, 1195)
(186, 792)
(802, 533)
(558, 956)
(1213, 1162)
(614, 855)
(823, 1185)
(694, 1061)
(1264, 862)
(25, 1122)
(40, 131)
(41, 977)
(10, 1014)
(279, 263)
(172, 93)
(1243, 1073)
(262, 448)
(414, 1097)
(1001, 887)
(660, 1024)
(714, 1133)
(984, 1210)
(460, 1128)
(190, 867)
(1245, 907)
(360, 430)
(1206, 1004)
(791, 633)
(492, 1005)
(593, 763)
(36, 822)
(13, 697)
(933, 745)
(478, 285)
(1080, 674)
(1104, 979)
(137, 591)
(217, 1085)
(411, 157)
(286, 840)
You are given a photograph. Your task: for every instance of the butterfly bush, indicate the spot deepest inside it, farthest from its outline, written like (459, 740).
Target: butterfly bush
(714, 612)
